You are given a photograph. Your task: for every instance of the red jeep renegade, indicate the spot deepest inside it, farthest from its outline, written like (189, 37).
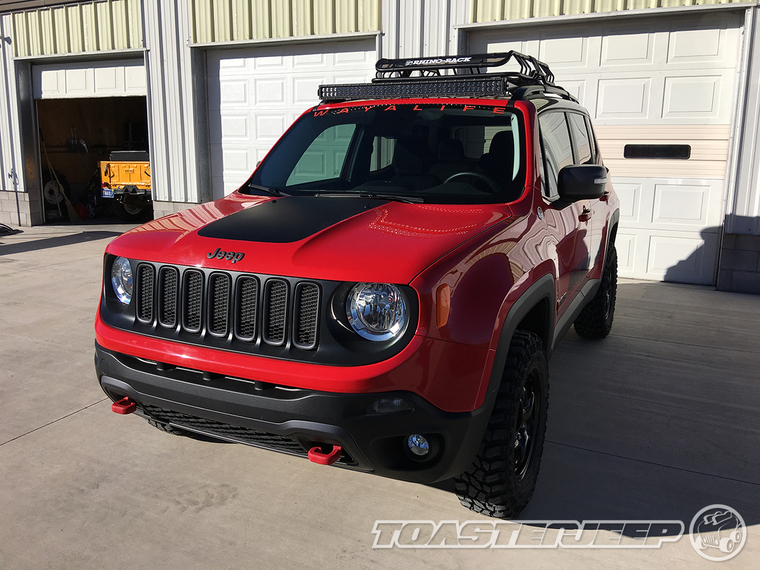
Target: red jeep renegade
(384, 292)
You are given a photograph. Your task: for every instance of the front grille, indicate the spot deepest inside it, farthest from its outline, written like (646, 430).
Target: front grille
(307, 311)
(145, 290)
(241, 434)
(192, 299)
(215, 306)
(275, 311)
(168, 285)
(219, 303)
(247, 303)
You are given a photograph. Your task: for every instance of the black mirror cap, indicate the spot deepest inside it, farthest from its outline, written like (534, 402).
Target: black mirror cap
(582, 182)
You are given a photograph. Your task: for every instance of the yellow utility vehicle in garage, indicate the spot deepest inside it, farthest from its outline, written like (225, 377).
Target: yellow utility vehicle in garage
(126, 178)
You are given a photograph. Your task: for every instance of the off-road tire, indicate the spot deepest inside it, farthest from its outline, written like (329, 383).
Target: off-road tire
(595, 320)
(500, 481)
(134, 209)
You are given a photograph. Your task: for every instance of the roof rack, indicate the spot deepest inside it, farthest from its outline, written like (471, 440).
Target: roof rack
(421, 78)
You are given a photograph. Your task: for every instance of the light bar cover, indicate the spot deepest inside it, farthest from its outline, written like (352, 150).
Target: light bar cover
(491, 86)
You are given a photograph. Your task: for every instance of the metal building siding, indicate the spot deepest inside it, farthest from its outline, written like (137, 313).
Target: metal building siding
(215, 21)
(102, 25)
(495, 10)
(417, 28)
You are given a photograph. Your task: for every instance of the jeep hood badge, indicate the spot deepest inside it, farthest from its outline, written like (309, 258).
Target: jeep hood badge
(233, 256)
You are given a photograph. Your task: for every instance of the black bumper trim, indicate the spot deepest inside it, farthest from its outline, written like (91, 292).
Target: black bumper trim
(224, 407)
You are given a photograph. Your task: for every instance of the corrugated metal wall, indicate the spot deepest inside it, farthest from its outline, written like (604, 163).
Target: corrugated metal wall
(241, 20)
(495, 10)
(88, 27)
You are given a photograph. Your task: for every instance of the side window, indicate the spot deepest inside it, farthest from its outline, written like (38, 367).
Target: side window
(382, 153)
(324, 158)
(592, 140)
(581, 139)
(557, 148)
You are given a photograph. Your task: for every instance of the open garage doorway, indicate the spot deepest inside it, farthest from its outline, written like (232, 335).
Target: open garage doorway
(85, 142)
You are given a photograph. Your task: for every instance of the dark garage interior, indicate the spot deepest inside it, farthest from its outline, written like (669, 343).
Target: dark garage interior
(75, 136)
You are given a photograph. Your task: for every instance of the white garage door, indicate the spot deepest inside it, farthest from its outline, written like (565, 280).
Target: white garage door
(665, 81)
(89, 79)
(256, 93)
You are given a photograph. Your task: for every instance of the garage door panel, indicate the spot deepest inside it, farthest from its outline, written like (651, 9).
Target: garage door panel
(235, 126)
(268, 91)
(89, 79)
(695, 97)
(621, 48)
(669, 204)
(682, 259)
(625, 244)
(704, 46)
(233, 93)
(630, 195)
(624, 98)
(565, 52)
(680, 205)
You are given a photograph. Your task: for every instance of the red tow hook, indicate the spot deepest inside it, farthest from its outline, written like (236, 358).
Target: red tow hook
(124, 406)
(317, 455)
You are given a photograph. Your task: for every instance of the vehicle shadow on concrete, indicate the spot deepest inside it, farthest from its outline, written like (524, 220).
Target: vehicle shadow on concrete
(55, 241)
(658, 420)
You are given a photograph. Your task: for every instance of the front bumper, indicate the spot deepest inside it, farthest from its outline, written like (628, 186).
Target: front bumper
(294, 420)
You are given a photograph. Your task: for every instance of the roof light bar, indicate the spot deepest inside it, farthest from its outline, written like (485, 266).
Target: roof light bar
(443, 87)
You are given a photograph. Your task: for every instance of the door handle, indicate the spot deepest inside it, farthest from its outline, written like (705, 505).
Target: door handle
(585, 214)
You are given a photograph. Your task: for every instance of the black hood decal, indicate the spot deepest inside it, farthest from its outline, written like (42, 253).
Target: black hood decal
(287, 219)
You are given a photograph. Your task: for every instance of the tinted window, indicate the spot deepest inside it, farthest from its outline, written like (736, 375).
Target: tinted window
(557, 148)
(324, 158)
(581, 139)
(437, 153)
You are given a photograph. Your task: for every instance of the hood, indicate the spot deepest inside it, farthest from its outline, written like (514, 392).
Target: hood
(332, 238)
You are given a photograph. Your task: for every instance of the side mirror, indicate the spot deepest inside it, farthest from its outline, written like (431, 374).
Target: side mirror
(582, 182)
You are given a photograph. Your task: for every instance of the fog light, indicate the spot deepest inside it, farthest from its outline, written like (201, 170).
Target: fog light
(418, 445)
(388, 406)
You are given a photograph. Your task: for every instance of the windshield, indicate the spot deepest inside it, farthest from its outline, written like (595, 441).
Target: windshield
(435, 153)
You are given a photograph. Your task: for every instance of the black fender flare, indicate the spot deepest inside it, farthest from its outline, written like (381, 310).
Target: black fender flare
(541, 291)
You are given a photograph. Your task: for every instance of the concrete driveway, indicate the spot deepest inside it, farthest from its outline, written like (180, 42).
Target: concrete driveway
(654, 423)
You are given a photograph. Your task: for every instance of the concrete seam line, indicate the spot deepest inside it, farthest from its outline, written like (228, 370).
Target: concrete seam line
(755, 483)
(53, 422)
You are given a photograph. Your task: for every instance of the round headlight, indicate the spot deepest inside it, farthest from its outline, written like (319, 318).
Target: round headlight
(121, 279)
(377, 311)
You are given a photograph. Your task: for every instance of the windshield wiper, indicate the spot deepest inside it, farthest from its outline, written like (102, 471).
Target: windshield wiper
(373, 196)
(266, 189)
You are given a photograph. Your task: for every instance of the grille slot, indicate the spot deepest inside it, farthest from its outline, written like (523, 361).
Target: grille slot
(219, 286)
(145, 288)
(168, 282)
(275, 311)
(306, 316)
(247, 308)
(192, 299)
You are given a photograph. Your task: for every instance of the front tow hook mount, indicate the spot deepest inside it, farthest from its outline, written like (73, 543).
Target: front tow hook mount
(124, 406)
(318, 455)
